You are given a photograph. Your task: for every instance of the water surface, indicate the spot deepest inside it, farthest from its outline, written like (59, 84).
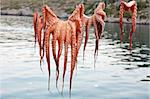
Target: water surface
(118, 73)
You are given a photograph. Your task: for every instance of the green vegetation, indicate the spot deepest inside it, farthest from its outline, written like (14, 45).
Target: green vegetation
(61, 6)
(112, 8)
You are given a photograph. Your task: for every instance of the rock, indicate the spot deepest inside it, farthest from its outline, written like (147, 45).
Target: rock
(9, 11)
(20, 12)
(25, 11)
(63, 15)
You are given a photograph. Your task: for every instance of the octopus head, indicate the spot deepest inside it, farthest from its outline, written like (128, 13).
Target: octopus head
(48, 10)
(77, 16)
(101, 5)
(48, 15)
(99, 10)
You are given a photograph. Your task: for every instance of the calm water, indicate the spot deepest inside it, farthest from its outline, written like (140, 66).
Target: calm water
(118, 74)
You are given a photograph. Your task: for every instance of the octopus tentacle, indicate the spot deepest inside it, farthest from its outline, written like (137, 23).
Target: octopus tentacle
(39, 31)
(48, 55)
(134, 14)
(60, 46)
(38, 25)
(67, 41)
(87, 28)
(79, 41)
(59, 34)
(100, 28)
(43, 44)
(35, 17)
(65, 62)
(54, 39)
(101, 24)
(121, 21)
(73, 54)
(96, 35)
(47, 30)
(54, 47)
(47, 34)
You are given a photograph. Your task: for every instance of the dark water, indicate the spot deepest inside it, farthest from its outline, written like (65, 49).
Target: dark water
(118, 73)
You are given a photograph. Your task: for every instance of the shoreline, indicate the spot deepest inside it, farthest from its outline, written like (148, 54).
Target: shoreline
(129, 21)
(107, 20)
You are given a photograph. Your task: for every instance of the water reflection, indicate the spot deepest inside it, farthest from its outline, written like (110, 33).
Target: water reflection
(141, 49)
(140, 37)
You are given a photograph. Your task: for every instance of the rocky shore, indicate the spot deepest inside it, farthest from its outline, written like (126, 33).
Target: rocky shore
(63, 8)
(16, 12)
(128, 21)
(29, 13)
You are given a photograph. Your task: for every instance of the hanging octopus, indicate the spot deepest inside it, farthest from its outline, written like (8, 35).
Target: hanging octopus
(97, 20)
(67, 33)
(131, 6)
(38, 26)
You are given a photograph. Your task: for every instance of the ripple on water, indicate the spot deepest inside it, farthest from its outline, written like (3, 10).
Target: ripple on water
(118, 73)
